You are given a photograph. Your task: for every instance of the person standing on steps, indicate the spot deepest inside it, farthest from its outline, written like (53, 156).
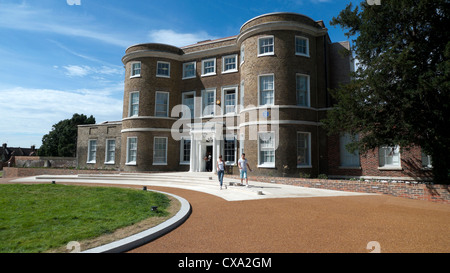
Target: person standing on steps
(220, 170)
(243, 165)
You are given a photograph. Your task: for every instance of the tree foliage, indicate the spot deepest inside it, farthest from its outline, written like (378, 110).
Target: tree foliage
(400, 91)
(62, 139)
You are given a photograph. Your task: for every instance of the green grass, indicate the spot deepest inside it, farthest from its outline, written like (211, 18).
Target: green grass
(36, 218)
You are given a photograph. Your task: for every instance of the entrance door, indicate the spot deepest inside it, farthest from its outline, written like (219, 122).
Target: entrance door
(209, 156)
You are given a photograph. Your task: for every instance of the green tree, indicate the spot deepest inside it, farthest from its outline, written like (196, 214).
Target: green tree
(400, 91)
(62, 139)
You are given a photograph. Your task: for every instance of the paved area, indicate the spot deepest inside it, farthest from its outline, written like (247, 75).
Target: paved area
(203, 182)
(283, 221)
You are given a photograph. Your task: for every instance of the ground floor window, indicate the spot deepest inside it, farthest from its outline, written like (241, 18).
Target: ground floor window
(266, 149)
(185, 151)
(131, 150)
(303, 149)
(389, 156)
(348, 159)
(160, 151)
(229, 147)
(92, 151)
(426, 160)
(110, 152)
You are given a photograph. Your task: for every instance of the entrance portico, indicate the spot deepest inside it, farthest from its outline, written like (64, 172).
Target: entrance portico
(205, 137)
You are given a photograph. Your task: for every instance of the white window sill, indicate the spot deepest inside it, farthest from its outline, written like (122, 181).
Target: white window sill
(303, 166)
(90, 162)
(187, 78)
(230, 71)
(135, 76)
(266, 166)
(160, 164)
(301, 54)
(209, 74)
(266, 54)
(109, 163)
(163, 76)
(390, 168)
(185, 163)
(131, 164)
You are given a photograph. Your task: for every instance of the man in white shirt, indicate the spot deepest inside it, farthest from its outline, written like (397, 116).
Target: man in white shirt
(243, 165)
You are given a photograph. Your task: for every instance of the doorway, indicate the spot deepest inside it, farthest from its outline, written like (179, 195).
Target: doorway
(209, 157)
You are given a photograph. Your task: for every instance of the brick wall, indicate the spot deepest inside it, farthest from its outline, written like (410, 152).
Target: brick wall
(10, 172)
(411, 190)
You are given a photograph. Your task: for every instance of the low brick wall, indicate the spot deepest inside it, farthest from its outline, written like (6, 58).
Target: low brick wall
(412, 190)
(40, 161)
(24, 172)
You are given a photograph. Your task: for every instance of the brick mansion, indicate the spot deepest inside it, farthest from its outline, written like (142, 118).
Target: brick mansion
(262, 92)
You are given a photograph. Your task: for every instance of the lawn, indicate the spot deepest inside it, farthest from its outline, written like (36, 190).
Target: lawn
(36, 218)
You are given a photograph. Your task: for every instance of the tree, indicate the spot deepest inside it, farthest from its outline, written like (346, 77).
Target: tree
(400, 91)
(62, 139)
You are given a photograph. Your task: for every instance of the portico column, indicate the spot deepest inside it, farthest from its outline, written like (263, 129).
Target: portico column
(215, 156)
(192, 154)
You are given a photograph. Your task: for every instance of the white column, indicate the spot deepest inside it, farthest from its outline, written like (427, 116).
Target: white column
(192, 154)
(215, 156)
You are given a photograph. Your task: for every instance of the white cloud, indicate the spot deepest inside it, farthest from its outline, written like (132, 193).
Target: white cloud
(168, 36)
(28, 113)
(84, 70)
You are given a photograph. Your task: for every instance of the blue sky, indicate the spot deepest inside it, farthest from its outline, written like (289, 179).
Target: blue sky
(58, 59)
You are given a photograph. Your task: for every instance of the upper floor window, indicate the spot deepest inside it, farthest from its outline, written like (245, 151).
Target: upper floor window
(162, 104)
(208, 102)
(229, 98)
(135, 69)
(302, 88)
(266, 90)
(163, 69)
(209, 67)
(189, 70)
(265, 46)
(133, 108)
(301, 46)
(242, 54)
(188, 99)
(229, 64)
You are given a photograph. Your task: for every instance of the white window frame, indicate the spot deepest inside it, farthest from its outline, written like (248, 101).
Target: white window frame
(165, 151)
(241, 96)
(308, 83)
(184, 70)
(128, 162)
(345, 155)
(306, 164)
(182, 142)
(259, 89)
(157, 69)
(203, 67)
(183, 95)
(226, 138)
(130, 104)
(259, 46)
(266, 164)
(235, 69)
(167, 106)
(242, 56)
(225, 90)
(94, 159)
(107, 150)
(132, 75)
(383, 152)
(204, 92)
(307, 46)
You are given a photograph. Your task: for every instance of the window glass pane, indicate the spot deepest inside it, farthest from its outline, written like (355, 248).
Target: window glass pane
(136, 69)
(188, 100)
(266, 45)
(229, 149)
(230, 101)
(92, 150)
(301, 45)
(163, 69)
(132, 150)
(189, 70)
(266, 90)
(266, 149)
(209, 67)
(389, 156)
(348, 159)
(303, 149)
(208, 103)
(134, 104)
(110, 150)
(159, 152)
(186, 156)
(302, 90)
(162, 100)
(229, 63)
